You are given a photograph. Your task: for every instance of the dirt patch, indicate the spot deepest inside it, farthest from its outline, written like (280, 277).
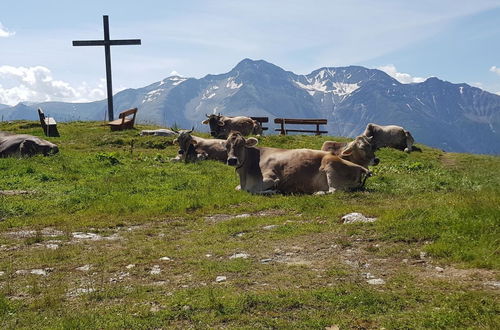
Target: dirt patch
(319, 252)
(224, 217)
(15, 192)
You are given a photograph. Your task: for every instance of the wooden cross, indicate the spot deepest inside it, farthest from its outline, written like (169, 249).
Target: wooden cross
(107, 43)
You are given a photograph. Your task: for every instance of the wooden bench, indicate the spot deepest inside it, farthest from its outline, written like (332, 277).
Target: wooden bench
(298, 121)
(124, 122)
(49, 124)
(262, 120)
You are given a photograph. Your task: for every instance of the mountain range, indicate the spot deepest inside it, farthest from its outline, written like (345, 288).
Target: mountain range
(453, 117)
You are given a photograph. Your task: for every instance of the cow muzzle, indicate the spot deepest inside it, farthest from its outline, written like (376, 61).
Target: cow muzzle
(376, 161)
(181, 152)
(233, 161)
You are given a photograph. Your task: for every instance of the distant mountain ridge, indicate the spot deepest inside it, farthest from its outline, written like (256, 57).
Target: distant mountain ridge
(454, 117)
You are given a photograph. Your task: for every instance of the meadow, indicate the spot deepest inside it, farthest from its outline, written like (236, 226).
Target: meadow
(110, 234)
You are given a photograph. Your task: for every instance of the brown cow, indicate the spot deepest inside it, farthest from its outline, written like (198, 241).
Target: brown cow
(193, 148)
(359, 151)
(221, 126)
(25, 145)
(390, 136)
(268, 170)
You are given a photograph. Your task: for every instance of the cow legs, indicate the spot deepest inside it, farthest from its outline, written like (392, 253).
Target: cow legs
(409, 142)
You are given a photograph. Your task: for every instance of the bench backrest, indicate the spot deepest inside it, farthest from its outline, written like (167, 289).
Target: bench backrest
(261, 119)
(128, 112)
(300, 121)
(41, 114)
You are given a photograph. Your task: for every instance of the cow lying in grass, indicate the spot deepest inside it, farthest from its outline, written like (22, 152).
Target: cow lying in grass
(269, 170)
(193, 148)
(390, 136)
(359, 151)
(25, 145)
(221, 126)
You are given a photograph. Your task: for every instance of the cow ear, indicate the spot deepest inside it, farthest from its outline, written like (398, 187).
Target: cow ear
(193, 142)
(250, 142)
(220, 123)
(205, 122)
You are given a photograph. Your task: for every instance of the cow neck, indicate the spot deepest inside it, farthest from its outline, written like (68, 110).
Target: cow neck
(238, 167)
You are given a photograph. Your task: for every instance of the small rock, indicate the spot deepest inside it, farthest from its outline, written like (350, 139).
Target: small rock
(155, 270)
(52, 246)
(495, 284)
(368, 275)
(41, 272)
(239, 256)
(244, 215)
(2, 273)
(423, 255)
(405, 261)
(240, 234)
(219, 279)
(356, 217)
(439, 269)
(332, 327)
(79, 292)
(84, 268)
(21, 272)
(130, 266)
(376, 281)
(269, 227)
(208, 255)
(165, 259)
(265, 261)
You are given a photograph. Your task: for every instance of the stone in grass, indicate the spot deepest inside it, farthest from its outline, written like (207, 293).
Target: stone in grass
(165, 259)
(155, 270)
(239, 256)
(356, 217)
(269, 227)
(376, 281)
(84, 268)
(219, 279)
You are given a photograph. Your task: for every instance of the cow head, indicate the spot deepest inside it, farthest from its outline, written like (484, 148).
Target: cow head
(360, 151)
(186, 144)
(33, 145)
(216, 124)
(236, 146)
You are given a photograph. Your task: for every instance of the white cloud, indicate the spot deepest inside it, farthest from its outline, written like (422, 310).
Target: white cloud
(495, 70)
(36, 84)
(4, 33)
(404, 78)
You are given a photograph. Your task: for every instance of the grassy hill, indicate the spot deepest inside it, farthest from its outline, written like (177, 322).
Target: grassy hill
(110, 234)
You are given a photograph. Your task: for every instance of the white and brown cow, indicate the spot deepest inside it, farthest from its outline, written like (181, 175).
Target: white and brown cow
(221, 126)
(25, 145)
(390, 136)
(359, 151)
(268, 170)
(193, 148)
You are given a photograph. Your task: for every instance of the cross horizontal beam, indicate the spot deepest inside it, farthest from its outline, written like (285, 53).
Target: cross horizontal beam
(106, 42)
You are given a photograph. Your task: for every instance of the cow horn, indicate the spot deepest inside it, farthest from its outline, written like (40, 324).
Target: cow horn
(207, 116)
(191, 131)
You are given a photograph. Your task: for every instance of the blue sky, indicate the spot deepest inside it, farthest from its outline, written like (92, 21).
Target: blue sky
(458, 41)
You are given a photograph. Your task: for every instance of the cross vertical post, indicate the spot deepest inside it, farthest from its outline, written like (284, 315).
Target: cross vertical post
(107, 43)
(107, 55)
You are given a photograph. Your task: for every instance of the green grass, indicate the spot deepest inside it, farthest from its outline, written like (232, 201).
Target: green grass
(122, 186)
